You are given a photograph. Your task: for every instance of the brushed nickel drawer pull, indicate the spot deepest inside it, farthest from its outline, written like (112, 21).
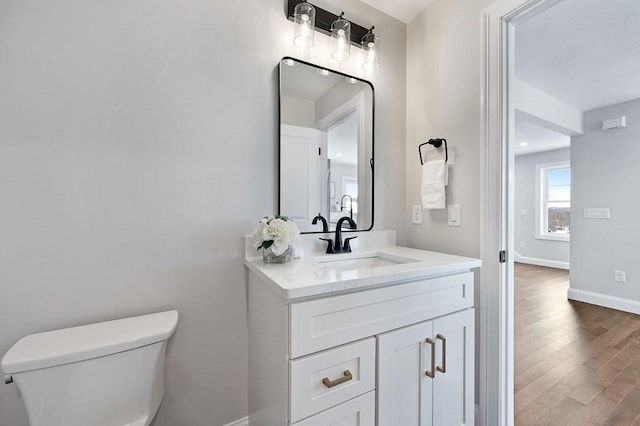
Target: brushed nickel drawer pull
(328, 383)
(432, 373)
(443, 369)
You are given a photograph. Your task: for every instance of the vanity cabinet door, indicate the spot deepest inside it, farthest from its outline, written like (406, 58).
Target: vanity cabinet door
(453, 384)
(426, 373)
(404, 390)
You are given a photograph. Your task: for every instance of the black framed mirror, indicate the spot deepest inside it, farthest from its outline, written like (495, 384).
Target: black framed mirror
(326, 146)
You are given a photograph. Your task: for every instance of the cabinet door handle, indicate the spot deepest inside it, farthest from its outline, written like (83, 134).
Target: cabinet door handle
(328, 383)
(443, 369)
(432, 373)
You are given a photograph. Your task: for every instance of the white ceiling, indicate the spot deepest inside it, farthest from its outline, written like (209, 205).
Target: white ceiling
(585, 53)
(403, 10)
(536, 137)
(305, 82)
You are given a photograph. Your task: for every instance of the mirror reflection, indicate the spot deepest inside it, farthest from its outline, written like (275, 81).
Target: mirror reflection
(326, 146)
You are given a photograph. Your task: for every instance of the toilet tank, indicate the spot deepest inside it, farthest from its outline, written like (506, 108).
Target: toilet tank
(103, 374)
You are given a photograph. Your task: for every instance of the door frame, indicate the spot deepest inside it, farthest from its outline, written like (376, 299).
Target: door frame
(496, 399)
(355, 105)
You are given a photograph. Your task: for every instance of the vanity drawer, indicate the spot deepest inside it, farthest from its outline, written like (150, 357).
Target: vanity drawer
(332, 321)
(360, 411)
(326, 379)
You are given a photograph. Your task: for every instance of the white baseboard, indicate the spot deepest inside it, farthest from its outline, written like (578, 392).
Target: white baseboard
(241, 422)
(540, 262)
(605, 300)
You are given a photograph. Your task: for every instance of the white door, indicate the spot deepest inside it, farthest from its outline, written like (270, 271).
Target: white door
(454, 379)
(300, 175)
(404, 390)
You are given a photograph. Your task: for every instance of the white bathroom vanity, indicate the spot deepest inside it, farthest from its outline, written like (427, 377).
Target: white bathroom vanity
(380, 336)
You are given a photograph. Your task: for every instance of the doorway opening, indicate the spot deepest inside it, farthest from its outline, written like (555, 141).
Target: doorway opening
(600, 105)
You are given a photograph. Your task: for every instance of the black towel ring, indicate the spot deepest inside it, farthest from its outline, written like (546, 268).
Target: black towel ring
(437, 143)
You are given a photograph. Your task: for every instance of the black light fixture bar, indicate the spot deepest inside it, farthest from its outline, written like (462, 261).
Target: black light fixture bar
(324, 19)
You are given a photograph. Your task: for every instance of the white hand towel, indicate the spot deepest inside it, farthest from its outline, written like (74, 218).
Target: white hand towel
(434, 179)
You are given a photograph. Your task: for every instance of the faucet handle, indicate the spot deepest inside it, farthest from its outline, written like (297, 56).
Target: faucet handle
(347, 244)
(329, 246)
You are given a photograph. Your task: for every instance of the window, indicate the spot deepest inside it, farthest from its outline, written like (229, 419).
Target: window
(553, 216)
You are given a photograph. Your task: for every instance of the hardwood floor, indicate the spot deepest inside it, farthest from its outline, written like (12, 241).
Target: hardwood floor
(575, 363)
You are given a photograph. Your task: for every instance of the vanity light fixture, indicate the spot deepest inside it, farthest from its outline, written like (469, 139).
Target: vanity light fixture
(523, 144)
(290, 62)
(304, 18)
(370, 50)
(340, 38)
(322, 71)
(308, 18)
(351, 80)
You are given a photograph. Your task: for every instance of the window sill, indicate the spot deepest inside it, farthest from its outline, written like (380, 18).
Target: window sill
(565, 238)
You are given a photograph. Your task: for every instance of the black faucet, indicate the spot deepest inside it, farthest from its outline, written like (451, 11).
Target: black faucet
(343, 204)
(338, 247)
(325, 226)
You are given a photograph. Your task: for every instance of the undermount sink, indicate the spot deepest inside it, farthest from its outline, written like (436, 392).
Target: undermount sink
(363, 262)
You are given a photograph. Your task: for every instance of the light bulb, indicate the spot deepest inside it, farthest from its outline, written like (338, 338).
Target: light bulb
(304, 19)
(305, 26)
(340, 38)
(371, 51)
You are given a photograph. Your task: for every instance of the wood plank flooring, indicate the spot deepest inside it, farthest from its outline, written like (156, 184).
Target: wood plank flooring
(575, 363)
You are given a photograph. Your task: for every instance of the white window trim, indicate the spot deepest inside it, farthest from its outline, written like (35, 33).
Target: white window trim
(540, 200)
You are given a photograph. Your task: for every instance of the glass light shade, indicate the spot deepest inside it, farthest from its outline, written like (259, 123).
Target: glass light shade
(304, 20)
(340, 39)
(370, 51)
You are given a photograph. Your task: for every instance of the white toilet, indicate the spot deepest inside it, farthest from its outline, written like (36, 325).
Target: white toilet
(104, 374)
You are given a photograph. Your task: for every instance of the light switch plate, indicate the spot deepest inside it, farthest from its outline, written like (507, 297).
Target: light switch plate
(596, 213)
(416, 214)
(454, 215)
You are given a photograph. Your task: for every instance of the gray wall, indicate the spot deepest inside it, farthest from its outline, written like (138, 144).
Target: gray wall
(138, 145)
(605, 173)
(298, 112)
(443, 87)
(525, 198)
(443, 100)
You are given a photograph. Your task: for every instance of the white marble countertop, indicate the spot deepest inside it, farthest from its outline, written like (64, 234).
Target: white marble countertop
(311, 276)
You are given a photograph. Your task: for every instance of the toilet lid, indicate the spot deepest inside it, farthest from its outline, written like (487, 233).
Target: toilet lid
(75, 344)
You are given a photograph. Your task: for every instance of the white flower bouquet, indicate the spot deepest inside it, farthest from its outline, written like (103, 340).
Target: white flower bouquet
(277, 233)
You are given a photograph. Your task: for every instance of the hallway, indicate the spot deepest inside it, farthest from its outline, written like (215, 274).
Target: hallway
(575, 363)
